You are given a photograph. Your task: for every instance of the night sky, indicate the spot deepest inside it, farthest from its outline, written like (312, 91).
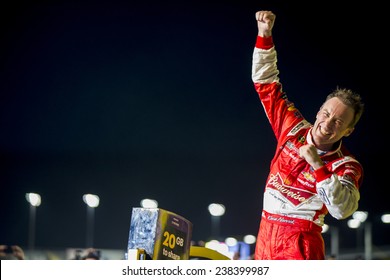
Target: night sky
(155, 100)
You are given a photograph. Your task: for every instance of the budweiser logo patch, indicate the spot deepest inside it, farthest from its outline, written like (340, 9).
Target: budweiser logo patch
(294, 195)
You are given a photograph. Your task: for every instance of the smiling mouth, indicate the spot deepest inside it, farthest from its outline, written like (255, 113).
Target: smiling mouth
(324, 131)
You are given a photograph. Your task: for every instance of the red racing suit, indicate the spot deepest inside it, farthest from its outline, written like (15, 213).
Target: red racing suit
(297, 197)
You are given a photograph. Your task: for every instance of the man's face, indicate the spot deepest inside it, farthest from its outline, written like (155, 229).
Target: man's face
(332, 123)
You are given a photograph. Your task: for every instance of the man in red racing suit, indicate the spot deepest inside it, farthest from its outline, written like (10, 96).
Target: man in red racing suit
(312, 173)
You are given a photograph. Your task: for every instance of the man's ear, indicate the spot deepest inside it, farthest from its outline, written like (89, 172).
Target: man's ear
(349, 131)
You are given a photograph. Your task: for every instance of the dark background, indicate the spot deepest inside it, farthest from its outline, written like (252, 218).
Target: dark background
(155, 100)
